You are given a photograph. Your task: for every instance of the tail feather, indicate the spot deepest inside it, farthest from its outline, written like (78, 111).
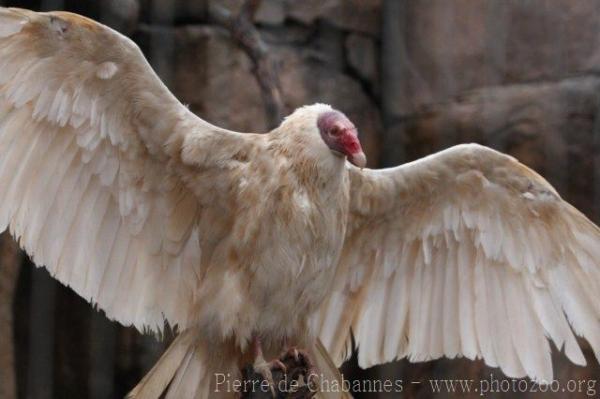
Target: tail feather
(154, 384)
(329, 372)
(190, 380)
(187, 370)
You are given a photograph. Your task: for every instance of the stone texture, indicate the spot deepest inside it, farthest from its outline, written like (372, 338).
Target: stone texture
(452, 46)
(210, 74)
(326, 46)
(289, 34)
(210, 70)
(271, 12)
(350, 15)
(356, 15)
(168, 11)
(362, 57)
(121, 15)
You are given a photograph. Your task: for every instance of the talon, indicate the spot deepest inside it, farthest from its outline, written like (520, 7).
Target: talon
(293, 353)
(278, 364)
(264, 369)
(299, 363)
(300, 357)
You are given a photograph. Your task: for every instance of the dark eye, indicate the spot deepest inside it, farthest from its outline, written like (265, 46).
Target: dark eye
(335, 131)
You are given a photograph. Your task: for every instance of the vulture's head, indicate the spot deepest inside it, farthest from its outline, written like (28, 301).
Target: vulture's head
(325, 131)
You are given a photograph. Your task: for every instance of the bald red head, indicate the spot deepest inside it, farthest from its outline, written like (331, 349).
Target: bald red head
(341, 136)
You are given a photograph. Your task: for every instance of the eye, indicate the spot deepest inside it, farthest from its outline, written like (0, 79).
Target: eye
(335, 131)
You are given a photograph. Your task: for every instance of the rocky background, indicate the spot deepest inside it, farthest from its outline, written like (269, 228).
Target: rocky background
(415, 76)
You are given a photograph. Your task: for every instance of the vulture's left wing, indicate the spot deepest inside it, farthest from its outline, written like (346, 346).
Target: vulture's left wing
(104, 175)
(464, 253)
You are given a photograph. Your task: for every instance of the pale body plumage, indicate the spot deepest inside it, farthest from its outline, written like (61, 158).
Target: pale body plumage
(156, 215)
(275, 257)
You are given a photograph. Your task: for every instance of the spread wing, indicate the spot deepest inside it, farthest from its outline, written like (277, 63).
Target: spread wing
(100, 166)
(464, 253)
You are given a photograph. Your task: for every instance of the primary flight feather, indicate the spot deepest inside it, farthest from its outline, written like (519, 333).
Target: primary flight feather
(252, 244)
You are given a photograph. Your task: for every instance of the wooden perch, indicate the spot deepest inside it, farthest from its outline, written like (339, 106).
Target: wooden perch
(243, 31)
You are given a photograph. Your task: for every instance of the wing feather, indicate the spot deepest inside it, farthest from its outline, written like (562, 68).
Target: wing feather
(450, 313)
(478, 256)
(468, 333)
(93, 180)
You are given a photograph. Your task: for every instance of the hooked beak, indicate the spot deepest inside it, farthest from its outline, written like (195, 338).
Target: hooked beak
(358, 159)
(352, 149)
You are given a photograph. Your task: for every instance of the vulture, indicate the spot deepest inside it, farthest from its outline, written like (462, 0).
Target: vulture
(257, 244)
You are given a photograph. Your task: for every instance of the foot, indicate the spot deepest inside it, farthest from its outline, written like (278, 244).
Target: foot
(297, 362)
(292, 376)
(265, 370)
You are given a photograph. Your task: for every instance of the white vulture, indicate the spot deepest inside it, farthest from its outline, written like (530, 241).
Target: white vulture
(266, 242)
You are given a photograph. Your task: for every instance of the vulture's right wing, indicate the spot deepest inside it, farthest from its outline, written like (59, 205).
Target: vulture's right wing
(103, 173)
(469, 253)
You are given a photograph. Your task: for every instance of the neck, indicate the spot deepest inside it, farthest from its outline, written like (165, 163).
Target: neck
(312, 162)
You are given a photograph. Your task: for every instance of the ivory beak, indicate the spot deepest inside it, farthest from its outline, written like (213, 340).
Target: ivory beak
(358, 159)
